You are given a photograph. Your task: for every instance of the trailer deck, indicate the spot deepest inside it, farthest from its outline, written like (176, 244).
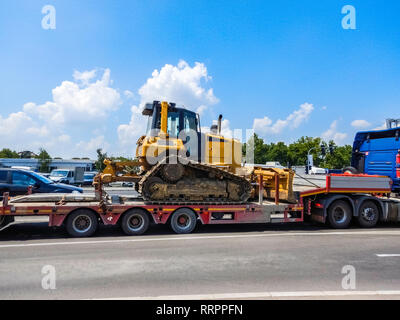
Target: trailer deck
(110, 213)
(342, 198)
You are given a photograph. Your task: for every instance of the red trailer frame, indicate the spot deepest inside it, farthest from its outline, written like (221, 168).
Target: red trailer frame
(110, 212)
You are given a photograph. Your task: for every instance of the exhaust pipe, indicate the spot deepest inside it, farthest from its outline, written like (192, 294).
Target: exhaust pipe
(219, 124)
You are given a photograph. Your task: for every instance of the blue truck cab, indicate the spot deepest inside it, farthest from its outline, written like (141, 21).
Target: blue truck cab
(374, 153)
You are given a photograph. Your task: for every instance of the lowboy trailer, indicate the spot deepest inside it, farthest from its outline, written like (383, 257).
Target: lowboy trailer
(345, 197)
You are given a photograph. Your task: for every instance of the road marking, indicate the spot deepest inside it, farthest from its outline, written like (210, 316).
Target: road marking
(186, 238)
(388, 255)
(253, 295)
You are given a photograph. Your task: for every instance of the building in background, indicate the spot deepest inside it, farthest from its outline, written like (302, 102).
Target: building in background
(34, 164)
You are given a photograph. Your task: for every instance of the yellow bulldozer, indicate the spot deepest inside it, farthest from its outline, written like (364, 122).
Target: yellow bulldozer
(176, 162)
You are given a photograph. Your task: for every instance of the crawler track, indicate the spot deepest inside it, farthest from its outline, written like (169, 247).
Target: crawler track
(200, 183)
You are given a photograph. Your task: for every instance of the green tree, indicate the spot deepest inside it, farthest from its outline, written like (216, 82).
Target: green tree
(339, 159)
(297, 153)
(121, 159)
(44, 160)
(260, 149)
(8, 154)
(278, 152)
(101, 156)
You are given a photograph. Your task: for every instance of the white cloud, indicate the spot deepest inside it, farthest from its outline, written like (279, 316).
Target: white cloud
(266, 126)
(78, 102)
(85, 100)
(262, 125)
(333, 134)
(381, 127)
(15, 124)
(64, 138)
(38, 131)
(85, 76)
(181, 84)
(360, 124)
(20, 132)
(86, 104)
(129, 94)
(86, 148)
(129, 133)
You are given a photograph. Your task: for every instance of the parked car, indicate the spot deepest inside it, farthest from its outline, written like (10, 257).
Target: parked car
(68, 176)
(274, 164)
(316, 170)
(16, 182)
(88, 178)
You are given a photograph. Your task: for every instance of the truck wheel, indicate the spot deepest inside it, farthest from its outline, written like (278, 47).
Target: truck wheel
(368, 214)
(339, 214)
(183, 221)
(135, 222)
(82, 223)
(350, 170)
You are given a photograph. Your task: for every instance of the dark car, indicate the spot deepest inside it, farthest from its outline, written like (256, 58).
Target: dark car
(16, 182)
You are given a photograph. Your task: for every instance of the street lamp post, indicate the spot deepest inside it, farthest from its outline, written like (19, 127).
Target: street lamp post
(309, 163)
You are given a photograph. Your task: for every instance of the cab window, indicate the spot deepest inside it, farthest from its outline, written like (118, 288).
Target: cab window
(173, 124)
(189, 122)
(22, 179)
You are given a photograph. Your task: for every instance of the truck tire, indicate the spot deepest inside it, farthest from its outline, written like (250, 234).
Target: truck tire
(135, 222)
(82, 223)
(340, 214)
(368, 214)
(183, 221)
(351, 170)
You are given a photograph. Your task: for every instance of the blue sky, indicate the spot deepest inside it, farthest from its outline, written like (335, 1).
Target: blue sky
(267, 60)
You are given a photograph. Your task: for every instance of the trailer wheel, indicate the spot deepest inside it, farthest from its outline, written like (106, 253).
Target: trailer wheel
(339, 214)
(183, 221)
(135, 222)
(350, 170)
(368, 214)
(82, 223)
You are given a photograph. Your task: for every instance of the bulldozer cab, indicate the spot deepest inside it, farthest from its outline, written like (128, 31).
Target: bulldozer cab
(177, 130)
(166, 118)
(170, 130)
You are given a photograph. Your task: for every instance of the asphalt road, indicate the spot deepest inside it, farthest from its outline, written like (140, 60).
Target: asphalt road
(222, 262)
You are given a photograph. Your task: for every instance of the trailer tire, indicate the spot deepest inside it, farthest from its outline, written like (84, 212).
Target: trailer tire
(368, 214)
(350, 170)
(135, 222)
(340, 214)
(183, 221)
(82, 223)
